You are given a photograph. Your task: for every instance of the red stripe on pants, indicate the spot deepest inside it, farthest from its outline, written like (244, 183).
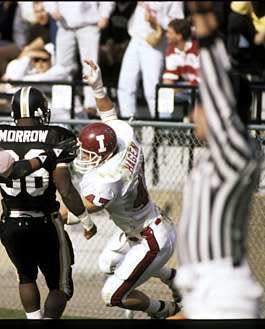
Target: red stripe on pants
(139, 269)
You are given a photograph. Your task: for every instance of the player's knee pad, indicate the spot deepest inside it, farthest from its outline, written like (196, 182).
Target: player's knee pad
(109, 291)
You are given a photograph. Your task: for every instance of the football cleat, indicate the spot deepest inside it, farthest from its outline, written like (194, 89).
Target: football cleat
(169, 309)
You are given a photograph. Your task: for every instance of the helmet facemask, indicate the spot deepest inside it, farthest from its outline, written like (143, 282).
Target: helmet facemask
(87, 160)
(43, 116)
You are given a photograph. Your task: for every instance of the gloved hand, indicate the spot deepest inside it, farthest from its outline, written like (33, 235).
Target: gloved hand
(69, 149)
(88, 234)
(64, 152)
(94, 79)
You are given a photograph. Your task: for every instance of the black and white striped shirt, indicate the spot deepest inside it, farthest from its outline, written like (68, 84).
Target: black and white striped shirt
(218, 191)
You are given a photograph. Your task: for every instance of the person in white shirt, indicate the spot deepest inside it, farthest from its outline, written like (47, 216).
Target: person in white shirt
(144, 54)
(112, 164)
(38, 66)
(79, 24)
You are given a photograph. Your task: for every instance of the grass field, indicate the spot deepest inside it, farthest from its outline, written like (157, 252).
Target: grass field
(18, 314)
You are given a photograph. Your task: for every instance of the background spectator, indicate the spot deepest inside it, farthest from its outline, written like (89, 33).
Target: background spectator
(36, 66)
(36, 58)
(114, 41)
(12, 32)
(247, 34)
(40, 32)
(79, 25)
(221, 10)
(181, 63)
(144, 54)
(181, 55)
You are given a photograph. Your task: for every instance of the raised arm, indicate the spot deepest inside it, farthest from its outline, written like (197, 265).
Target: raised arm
(93, 78)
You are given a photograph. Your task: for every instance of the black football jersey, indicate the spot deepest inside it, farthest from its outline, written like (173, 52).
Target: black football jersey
(36, 191)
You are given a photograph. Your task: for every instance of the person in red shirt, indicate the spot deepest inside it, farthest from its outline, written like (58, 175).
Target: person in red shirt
(181, 55)
(181, 59)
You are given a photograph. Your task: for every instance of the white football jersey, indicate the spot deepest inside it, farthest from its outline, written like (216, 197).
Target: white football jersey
(119, 184)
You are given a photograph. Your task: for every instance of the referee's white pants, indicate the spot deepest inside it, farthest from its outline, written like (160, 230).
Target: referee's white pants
(86, 41)
(139, 58)
(216, 290)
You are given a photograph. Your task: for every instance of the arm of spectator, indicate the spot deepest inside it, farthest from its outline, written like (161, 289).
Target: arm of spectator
(52, 8)
(151, 19)
(37, 43)
(37, 53)
(170, 76)
(259, 38)
(17, 69)
(105, 9)
(171, 11)
(168, 82)
(241, 7)
(56, 72)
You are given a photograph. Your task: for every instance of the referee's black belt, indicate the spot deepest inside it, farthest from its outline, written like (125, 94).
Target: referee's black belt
(26, 213)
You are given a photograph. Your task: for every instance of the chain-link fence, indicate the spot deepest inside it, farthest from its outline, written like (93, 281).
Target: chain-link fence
(170, 151)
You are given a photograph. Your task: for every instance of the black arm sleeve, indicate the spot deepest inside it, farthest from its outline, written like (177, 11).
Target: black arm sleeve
(20, 169)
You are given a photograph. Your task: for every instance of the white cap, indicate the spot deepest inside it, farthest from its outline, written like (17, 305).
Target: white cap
(6, 161)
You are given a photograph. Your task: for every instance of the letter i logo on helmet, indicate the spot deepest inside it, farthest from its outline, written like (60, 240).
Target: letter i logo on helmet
(29, 102)
(98, 143)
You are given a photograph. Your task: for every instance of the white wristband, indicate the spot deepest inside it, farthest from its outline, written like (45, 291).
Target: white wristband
(72, 219)
(108, 115)
(86, 220)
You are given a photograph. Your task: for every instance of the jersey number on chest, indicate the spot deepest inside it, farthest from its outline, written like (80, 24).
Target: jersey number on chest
(34, 184)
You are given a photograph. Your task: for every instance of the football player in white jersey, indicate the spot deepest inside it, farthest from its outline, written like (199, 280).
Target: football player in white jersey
(112, 164)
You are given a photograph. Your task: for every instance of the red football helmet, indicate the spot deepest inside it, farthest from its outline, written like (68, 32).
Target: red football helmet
(98, 143)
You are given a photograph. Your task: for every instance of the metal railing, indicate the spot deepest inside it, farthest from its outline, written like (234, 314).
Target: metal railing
(73, 84)
(258, 88)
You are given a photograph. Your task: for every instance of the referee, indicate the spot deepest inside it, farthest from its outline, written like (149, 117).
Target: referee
(214, 276)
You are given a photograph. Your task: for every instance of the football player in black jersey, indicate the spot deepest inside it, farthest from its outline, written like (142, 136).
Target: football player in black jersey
(30, 228)
(11, 169)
